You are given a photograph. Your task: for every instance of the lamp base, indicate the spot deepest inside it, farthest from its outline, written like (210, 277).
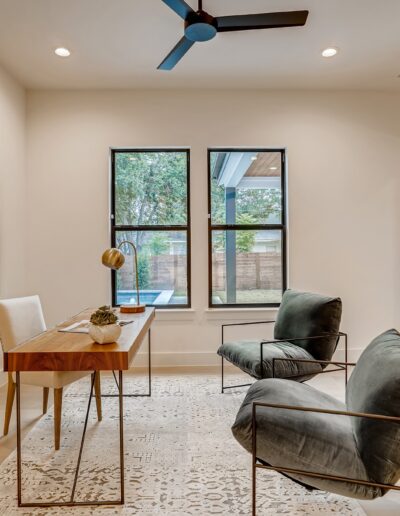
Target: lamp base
(132, 309)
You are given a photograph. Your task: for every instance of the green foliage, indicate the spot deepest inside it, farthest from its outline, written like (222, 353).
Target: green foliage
(103, 316)
(143, 271)
(245, 239)
(260, 203)
(151, 188)
(158, 244)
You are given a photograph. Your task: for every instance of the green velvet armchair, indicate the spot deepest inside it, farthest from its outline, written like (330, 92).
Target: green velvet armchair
(351, 448)
(306, 335)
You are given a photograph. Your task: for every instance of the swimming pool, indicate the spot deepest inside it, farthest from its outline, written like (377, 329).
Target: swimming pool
(149, 297)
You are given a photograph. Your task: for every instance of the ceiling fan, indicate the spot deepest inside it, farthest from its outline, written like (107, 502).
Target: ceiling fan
(201, 26)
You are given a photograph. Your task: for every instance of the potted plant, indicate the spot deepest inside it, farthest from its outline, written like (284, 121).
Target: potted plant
(104, 327)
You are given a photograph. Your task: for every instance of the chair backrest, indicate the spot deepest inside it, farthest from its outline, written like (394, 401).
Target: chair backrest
(20, 319)
(374, 387)
(303, 314)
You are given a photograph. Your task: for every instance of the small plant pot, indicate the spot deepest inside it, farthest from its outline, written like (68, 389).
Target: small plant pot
(105, 334)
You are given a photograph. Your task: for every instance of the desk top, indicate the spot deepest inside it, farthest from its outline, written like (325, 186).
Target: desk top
(57, 351)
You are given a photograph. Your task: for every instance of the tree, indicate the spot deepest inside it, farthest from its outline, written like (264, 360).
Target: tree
(245, 239)
(143, 271)
(158, 244)
(260, 203)
(150, 189)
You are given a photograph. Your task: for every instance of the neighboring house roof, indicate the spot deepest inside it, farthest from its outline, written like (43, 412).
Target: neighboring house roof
(248, 169)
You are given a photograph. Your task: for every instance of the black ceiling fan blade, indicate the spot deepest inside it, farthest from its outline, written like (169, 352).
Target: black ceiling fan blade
(176, 54)
(261, 21)
(180, 7)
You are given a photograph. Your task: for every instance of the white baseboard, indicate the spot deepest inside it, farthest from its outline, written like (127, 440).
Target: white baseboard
(177, 359)
(209, 359)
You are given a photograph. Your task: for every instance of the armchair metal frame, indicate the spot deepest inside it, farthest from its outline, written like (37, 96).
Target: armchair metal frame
(341, 366)
(223, 387)
(256, 462)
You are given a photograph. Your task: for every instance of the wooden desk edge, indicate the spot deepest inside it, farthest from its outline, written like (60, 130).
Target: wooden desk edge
(100, 359)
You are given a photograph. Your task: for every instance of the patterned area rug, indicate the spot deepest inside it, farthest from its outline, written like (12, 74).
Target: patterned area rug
(181, 458)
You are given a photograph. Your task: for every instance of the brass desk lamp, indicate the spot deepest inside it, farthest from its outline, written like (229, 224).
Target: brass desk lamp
(114, 258)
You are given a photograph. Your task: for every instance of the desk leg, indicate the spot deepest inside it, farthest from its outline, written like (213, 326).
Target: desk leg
(146, 395)
(149, 365)
(19, 438)
(72, 502)
(121, 435)
(83, 437)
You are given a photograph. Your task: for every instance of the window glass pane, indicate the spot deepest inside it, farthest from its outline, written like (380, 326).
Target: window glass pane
(150, 188)
(246, 267)
(162, 266)
(246, 187)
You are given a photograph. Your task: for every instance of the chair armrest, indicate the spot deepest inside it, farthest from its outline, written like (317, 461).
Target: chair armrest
(334, 362)
(342, 365)
(241, 324)
(246, 323)
(367, 415)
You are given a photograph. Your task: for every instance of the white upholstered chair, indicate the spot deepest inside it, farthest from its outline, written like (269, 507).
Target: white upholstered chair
(21, 319)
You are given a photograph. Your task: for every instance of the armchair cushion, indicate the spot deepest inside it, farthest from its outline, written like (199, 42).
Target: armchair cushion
(374, 387)
(304, 314)
(322, 443)
(246, 355)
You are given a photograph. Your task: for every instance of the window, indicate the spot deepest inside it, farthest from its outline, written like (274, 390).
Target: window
(150, 207)
(247, 227)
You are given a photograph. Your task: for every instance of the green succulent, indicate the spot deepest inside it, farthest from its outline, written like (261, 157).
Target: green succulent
(103, 316)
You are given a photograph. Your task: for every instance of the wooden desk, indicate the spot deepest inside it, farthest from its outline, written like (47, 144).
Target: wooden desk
(57, 351)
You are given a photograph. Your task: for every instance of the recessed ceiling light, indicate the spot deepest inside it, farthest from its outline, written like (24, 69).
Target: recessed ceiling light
(273, 168)
(253, 158)
(329, 52)
(62, 52)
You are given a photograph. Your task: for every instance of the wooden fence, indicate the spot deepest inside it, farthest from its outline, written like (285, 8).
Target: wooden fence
(168, 272)
(253, 271)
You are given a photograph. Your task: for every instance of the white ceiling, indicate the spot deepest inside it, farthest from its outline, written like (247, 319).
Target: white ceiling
(119, 43)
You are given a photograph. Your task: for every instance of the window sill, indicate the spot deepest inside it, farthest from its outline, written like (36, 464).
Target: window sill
(240, 313)
(216, 314)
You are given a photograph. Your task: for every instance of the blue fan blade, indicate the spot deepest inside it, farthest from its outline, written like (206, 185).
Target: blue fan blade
(180, 7)
(176, 54)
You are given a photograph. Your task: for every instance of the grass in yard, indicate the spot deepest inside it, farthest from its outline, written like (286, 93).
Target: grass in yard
(251, 296)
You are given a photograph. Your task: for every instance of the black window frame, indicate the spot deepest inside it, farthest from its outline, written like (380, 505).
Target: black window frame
(176, 227)
(224, 227)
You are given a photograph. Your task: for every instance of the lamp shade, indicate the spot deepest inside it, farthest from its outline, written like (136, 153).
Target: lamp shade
(113, 258)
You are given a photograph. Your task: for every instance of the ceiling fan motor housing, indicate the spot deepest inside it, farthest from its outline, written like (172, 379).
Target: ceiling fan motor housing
(200, 26)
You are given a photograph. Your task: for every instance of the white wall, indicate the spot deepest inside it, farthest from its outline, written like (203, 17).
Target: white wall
(343, 163)
(13, 227)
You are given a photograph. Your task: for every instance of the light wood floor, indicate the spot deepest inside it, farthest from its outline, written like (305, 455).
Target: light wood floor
(32, 402)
